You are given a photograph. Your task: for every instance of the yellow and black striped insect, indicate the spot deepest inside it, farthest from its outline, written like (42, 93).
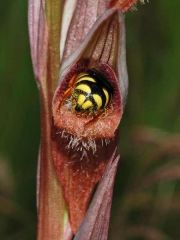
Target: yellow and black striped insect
(91, 92)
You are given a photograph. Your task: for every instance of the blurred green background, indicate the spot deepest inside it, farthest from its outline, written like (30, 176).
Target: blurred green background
(146, 197)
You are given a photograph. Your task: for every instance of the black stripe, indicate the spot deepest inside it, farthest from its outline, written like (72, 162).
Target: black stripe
(101, 80)
(93, 101)
(78, 91)
(85, 75)
(95, 89)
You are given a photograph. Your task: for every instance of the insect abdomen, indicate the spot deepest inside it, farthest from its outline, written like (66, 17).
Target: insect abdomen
(90, 95)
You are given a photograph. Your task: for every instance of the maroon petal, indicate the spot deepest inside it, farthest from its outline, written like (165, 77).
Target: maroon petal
(96, 223)
(83, 18)
(122, 5)
(38, 35)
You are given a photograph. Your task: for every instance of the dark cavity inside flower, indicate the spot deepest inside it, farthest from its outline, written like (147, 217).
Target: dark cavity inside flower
(85, 108)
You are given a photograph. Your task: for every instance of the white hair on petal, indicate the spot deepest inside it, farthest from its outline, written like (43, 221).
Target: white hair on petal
(86, 146)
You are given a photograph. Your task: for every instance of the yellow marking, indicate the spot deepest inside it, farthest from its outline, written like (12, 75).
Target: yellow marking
(83, 87)
(81, 99)
(107, 96)
(87, 78)
(81, 75)
(98, 100)
(87, 105)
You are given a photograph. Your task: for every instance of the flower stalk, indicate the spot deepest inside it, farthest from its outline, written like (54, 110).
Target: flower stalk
(50, 202)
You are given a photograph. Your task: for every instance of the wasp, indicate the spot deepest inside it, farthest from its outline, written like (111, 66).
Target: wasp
(89, 92)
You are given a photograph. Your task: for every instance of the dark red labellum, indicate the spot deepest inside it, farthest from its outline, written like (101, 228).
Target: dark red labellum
(83, 144)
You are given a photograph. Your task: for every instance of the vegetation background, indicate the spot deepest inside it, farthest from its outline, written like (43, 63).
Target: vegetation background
(146, 202)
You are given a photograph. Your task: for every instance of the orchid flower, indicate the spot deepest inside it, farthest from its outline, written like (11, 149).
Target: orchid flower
(77, 151)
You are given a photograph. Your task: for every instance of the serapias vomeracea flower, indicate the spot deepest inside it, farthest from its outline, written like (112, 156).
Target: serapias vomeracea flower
(88, 103)
(78, 47)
